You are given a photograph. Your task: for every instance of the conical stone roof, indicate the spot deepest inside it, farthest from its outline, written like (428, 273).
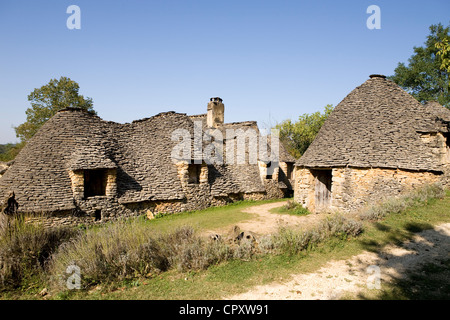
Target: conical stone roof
(378, 125)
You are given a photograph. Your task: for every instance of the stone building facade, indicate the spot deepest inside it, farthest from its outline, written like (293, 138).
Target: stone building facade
(79, 168)
(378, 142)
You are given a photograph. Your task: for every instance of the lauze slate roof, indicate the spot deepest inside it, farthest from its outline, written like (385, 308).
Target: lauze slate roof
(140, 152)
(378, 125)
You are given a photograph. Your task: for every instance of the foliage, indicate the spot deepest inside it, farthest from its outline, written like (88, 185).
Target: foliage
(293, 241)
(444, 54)
(47, 100)
(129, 249)
(423, 76)
(25, 249)
(297, 136)
(398, 204)
(9, 151)
(292, 208)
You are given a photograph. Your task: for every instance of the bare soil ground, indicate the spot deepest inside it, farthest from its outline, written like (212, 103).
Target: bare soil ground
(266, 222)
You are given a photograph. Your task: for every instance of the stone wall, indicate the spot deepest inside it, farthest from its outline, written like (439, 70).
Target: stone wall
(112, 211)
(107, 208)
(304, 188)
(353, 188)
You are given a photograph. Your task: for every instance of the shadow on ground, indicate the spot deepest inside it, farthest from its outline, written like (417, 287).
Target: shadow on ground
(419, 269)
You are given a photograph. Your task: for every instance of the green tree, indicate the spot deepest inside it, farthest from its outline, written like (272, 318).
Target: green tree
(297, 136)
(444, 55)
(9, 151)
(423, 76)
(47, 100)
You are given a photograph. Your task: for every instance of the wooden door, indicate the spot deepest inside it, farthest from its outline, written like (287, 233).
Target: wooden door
(322, 188)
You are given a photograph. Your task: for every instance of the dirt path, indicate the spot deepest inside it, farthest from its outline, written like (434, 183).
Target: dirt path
(266, 222)
(338, 278)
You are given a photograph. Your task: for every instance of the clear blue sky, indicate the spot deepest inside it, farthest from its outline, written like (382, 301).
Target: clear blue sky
(268, 60)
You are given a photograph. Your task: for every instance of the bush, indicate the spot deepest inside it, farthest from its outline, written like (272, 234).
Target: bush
(295, 208)
(25, 250)
(114, 252)
(339, 225)
(398, 204)
(293, 242)
(187, 251)
(125, 250)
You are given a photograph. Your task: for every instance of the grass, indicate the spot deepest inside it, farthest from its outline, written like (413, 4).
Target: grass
(291, 208)
(238, 276)
(234, 276)
(129, 251)
(210, 218)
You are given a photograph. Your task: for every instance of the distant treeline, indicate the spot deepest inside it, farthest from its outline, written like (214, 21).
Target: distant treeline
(9, 151)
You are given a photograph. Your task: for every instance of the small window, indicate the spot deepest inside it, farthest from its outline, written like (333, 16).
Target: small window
(98, 215)
(194, 173)
(94, 183)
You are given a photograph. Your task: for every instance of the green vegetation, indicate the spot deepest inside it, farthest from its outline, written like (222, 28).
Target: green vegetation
(47, 100)
(399, 204)
(210, 218)
(25, 249)
(444, 55)
(423, 77)
(297, 136)
(130, 260)
(292, 208)
(9, 151)
(238, 276)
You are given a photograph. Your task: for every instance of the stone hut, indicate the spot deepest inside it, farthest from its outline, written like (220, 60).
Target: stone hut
(79, 168)
(379, 141)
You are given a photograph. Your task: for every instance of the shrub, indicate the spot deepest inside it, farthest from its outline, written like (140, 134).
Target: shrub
(25, 250)
(339, 225)
(124, 250)
(114, 252)
(293, 207)
(187, 251)
(398, 204)
(293, 242)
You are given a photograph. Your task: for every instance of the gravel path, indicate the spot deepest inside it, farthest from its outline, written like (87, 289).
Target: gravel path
(338, 278)
(266, 222)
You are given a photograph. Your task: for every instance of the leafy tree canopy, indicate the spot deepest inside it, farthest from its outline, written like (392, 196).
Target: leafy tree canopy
(47, 100)
(297, 136)
(444, 54)
(423, 77)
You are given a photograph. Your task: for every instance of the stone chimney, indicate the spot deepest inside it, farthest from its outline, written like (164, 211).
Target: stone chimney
(216, 111)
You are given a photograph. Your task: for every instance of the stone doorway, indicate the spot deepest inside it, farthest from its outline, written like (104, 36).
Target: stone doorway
(322, 188)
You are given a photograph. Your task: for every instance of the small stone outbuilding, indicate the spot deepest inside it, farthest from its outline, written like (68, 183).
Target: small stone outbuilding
(378, 142)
